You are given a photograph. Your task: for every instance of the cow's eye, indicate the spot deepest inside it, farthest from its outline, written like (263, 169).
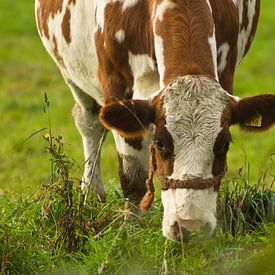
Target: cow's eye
(159, 145)
(226, 146)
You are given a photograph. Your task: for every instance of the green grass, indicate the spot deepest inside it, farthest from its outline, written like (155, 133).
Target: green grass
(34, 241)
(52, 231)
(27, 72)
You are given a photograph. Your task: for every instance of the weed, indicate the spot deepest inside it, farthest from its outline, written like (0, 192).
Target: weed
(243, 207)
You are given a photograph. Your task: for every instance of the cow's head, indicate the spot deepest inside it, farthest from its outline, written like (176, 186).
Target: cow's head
(192, 116)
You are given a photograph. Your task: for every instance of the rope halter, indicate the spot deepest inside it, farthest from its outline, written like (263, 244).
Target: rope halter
(168, 183)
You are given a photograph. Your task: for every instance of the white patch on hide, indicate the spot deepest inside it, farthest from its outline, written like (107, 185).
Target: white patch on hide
(129, 3)
(159, 51)
(100, 6)
(223, 53)
(158, 15)
(162, 8)
(120, 36)
(209, 5)
(146, 80)
(140, 64)
(213, 47)
(79, 56)
(236, 98)
(125, 149)
(245, 33)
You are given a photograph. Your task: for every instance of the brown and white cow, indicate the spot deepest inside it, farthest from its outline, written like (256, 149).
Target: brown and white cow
(163, 71)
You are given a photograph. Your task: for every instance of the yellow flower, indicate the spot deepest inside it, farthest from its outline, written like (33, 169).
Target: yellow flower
(46, 137)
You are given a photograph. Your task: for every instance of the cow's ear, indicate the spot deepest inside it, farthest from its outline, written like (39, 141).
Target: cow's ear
(130, 118)
(254, 113)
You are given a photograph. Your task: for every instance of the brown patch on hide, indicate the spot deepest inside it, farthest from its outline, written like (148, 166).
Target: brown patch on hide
(220, 150)
(227, 113)
(58, 57)
(117, 81)
(136, 143)
(46, 9)
(185, 31)
(164, 157)
(135, 22)
(114, 71)
(66, 28)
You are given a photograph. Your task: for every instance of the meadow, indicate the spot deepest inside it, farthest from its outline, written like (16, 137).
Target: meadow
(107, 238)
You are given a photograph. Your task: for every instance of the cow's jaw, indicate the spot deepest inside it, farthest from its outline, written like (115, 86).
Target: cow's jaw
(193, 111)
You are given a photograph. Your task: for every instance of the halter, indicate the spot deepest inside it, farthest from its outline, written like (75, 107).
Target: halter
(168, 183)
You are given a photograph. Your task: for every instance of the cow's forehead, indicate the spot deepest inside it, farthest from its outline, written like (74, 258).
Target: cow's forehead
(193, 109)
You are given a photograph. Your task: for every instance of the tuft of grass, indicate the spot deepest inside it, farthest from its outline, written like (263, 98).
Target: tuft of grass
(244, 208)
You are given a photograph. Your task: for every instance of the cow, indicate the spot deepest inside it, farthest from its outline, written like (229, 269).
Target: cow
(158, 74)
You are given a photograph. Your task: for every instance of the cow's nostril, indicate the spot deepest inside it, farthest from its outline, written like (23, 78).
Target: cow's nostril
(180, 233)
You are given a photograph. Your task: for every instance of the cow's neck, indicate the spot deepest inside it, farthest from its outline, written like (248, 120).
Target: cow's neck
(185, 39)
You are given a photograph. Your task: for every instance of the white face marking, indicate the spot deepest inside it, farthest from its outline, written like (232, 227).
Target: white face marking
(223, 52)
(244, 34)
(187, 204)
(193, 109)
(120, 36)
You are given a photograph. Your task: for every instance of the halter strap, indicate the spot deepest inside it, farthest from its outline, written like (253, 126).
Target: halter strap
(167, 183)
(196, 183)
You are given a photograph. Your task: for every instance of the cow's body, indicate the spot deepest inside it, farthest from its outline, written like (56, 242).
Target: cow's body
(114, 50)
(67, 29)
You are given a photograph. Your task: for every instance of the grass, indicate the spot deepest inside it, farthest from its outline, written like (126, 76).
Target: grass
(41, 227)
(53, 232)
(27, 72)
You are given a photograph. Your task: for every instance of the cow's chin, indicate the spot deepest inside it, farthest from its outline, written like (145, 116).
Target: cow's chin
(187, 211)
